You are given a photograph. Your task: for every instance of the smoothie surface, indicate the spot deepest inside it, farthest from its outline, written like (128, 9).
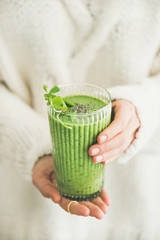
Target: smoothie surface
(89, 103)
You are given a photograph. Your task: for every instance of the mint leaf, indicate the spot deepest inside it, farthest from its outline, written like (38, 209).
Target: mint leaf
(57, 107)
(70, 104)
(47, 96)
(55, 89)
(54, 101)
(48, 103)
(45, 87)
(58, 102)
(52, 96)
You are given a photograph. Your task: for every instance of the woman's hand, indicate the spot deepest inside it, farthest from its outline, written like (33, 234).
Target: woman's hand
(116, 138)
(43, 179)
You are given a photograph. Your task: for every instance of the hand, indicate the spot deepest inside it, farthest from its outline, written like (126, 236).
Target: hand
(116, 138)
(43, 179)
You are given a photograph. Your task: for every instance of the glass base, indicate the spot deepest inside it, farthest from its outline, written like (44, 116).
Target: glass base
(82, 197)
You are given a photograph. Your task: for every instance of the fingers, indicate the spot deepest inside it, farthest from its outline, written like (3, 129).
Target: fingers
(47, 189)
(113, 148)
(95, 208)
(95, 211)
(120, 122)
(75, 208)
(105, 198)
(98, 206)
(99, 202)
(112, 144)
(109, 156)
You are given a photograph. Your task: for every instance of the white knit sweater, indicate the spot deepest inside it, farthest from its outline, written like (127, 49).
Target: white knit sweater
(113, 44)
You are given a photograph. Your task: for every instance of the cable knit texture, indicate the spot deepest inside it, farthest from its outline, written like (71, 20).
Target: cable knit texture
(114, 44)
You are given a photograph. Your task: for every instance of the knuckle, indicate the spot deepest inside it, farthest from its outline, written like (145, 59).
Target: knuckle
(104, 147)
(102, 206)
(122, 124)
(45, 194)
(121, 140)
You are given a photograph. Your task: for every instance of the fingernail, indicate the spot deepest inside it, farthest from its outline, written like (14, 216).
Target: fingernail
(95, 151)
(99, 158)
(103, 138)
(108, 202)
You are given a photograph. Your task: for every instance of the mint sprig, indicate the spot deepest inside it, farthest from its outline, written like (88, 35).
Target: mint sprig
(57, 102)
(55, 89)
(53, 100)
(68, 103)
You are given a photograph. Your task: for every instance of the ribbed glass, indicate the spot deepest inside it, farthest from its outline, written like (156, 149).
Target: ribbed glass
(77, 177)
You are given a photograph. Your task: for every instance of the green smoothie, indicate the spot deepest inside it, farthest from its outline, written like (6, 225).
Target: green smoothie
(77, 177)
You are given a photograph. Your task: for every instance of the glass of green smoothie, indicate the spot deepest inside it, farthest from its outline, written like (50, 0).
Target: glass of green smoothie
(72, 133)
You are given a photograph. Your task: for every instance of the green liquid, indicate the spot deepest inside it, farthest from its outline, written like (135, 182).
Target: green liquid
(77, 177)
(92, 102)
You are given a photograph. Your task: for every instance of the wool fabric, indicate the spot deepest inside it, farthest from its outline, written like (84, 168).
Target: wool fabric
(113, 44)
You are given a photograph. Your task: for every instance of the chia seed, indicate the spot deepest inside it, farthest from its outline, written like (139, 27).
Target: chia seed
(80, 108)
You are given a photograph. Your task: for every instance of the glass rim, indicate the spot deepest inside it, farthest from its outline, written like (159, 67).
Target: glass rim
(87, 114)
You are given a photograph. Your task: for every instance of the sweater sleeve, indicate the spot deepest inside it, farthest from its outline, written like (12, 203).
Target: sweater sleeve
(146, 99)
(24, 134)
